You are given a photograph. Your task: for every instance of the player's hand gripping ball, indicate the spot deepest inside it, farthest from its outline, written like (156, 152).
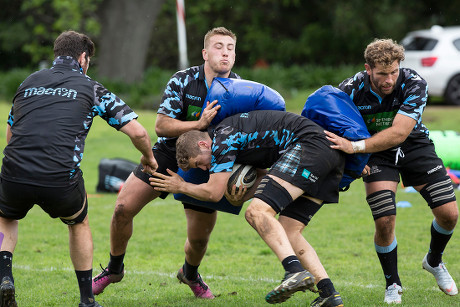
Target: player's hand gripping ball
(242, 176)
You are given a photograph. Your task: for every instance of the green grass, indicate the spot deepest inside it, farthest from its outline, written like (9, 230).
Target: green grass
(238, 266)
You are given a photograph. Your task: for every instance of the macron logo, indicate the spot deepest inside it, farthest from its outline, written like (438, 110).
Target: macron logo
(434, 169)
(193, 97)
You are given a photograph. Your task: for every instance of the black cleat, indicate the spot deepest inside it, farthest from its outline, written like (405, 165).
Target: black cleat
(291, 283)
(331, 301)
(7, 293)
(93, 304)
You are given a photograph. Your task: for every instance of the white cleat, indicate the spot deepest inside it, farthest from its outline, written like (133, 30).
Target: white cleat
(393, 294)
(443, 278)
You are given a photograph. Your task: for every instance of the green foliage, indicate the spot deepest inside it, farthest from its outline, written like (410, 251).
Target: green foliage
(285, 33)
(147, 94)
(296, 32)
(10, 82)
(31, 27)
(287, 80)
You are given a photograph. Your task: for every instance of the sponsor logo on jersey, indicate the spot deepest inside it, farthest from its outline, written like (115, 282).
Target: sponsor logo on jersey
(64, 92)
(192, 97)
(374, 170)
(380, 121)
(415, 77)
(308, 175)
(365, 107)
(437, 168)
(193, 113)
(350, 82)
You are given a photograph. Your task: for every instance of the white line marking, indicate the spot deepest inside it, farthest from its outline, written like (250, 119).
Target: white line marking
(206, 277)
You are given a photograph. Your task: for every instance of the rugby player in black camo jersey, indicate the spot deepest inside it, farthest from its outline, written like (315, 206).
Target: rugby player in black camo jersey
(52, 112)
(391, 100)
(304, 172)
(179, 112)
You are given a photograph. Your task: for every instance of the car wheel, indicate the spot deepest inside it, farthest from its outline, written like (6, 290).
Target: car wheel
(452, 94)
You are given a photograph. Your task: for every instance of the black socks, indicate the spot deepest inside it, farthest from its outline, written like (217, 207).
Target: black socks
(291, 264)
(190, 271)
(6, 265)
(86, 286)
(325, 287)
(116, 264)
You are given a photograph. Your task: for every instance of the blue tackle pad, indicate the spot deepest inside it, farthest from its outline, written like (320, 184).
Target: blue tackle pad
(241, 96)
(334, 110)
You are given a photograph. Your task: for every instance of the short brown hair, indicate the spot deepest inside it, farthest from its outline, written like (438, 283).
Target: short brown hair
(218, 31)
(187, 147)
(383, 52)
(71, 43)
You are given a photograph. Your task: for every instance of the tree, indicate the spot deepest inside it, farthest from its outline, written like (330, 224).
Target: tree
(131, 36)
(28, 28)
(126, 26)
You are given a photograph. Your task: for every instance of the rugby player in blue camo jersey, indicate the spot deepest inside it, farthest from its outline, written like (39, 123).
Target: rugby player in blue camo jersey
(304, 172)
(179, 112)
(48, 123)
(391, 100)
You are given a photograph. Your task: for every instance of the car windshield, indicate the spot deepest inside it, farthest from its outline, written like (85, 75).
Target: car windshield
(418, 43)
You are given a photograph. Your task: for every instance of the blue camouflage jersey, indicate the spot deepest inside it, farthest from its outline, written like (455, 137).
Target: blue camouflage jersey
(259, 138)
(52, 112)
(184, 96)
(408, 98)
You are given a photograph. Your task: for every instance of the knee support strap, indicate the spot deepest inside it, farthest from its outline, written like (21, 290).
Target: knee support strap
(382, 203)
(301, 209)
(439, 192)
(80, 217)
(273, 194)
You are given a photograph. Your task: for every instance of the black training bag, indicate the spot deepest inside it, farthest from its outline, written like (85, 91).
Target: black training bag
(113, 173)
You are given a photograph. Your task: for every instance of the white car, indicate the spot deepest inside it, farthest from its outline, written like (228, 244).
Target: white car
(435, 54)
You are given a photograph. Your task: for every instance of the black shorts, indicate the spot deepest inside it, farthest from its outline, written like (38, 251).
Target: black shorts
(16, 199)
(165, 154)
(416, 162)
(314, 167)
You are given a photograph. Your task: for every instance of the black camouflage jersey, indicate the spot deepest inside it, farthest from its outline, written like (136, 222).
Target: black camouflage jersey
(259, 138)
(52, 112)
(408, 98)
(185, 95)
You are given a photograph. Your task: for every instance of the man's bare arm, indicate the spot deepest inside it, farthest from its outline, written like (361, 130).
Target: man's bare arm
(390, 137)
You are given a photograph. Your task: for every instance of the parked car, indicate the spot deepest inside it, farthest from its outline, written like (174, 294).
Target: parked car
(435, 54)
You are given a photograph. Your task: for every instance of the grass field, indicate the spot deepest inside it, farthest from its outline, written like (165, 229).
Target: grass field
(238, 266)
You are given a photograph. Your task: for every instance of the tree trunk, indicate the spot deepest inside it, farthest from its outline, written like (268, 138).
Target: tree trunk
(126, 27)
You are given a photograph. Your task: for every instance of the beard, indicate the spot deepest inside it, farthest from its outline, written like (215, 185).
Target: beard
(380, 89)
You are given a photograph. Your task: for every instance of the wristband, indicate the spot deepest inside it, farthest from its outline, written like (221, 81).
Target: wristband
(358, 146)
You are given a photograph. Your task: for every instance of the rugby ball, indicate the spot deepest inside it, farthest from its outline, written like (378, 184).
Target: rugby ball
(242, 176)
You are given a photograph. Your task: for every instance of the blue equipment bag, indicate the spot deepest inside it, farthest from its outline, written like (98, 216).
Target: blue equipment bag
(334, 110)
(234, 96)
